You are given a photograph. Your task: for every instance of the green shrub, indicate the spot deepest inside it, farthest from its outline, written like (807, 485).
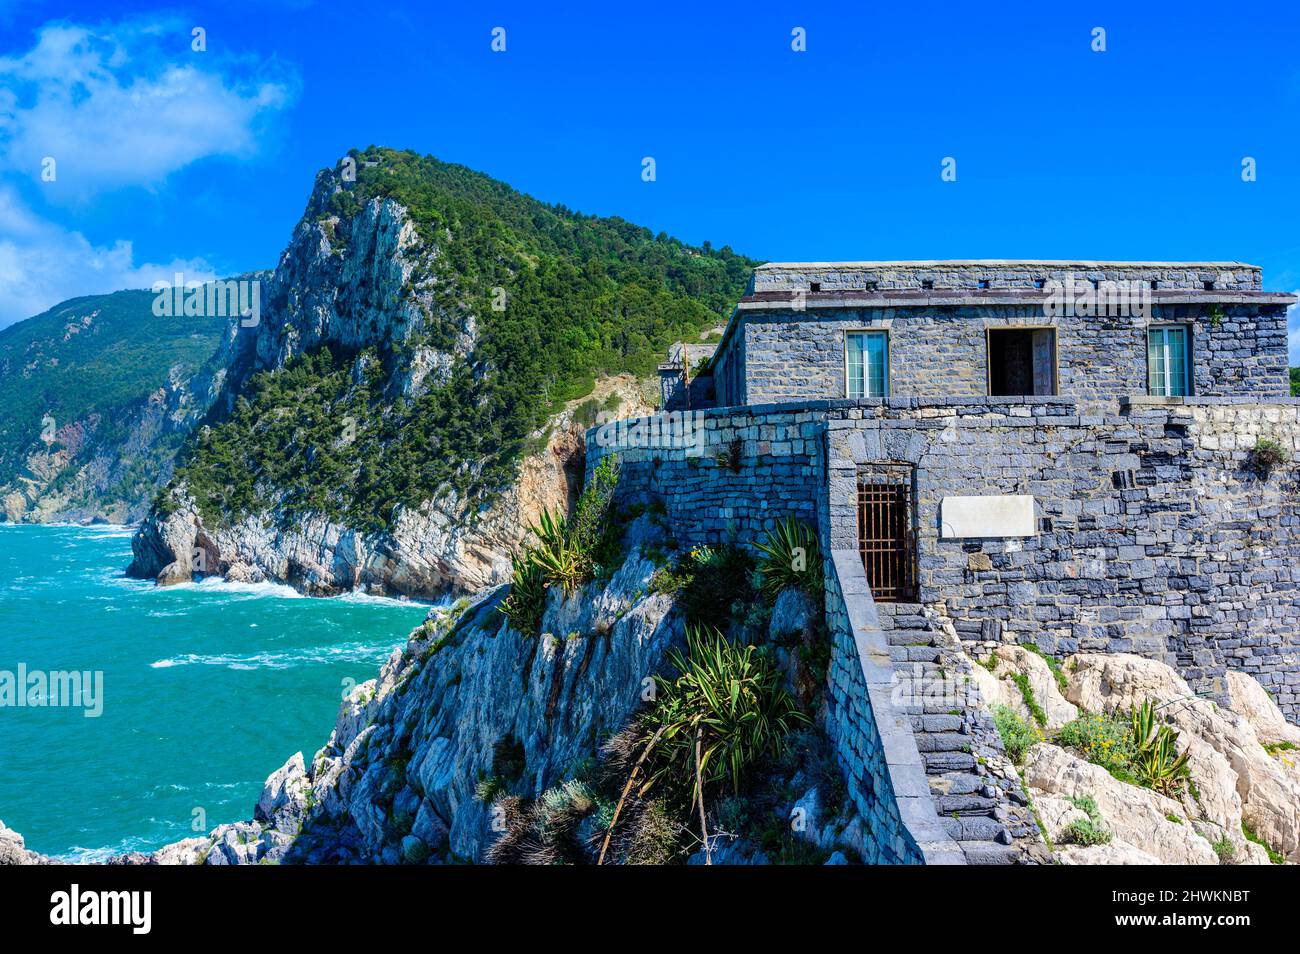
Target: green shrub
(727, 696)
(565, 553)
(1102, 740)
(1274, 856)
(1158, 764)
(1225, 850)
(1017, 735)
(1089, 831)
(1266, 455)
(713, 581)
(1027, 694)
(791, 556)
(526, 602)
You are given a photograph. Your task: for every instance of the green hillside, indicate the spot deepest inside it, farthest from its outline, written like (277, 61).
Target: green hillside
(101, 354)
(585, 296)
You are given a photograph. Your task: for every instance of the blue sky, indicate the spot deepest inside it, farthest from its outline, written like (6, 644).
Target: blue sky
(169, 158)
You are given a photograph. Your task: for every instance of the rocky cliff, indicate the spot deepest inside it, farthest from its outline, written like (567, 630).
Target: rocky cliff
(431, 349)
(99, 396)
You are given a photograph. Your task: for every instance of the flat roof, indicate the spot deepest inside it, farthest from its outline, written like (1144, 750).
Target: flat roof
(1000, 261)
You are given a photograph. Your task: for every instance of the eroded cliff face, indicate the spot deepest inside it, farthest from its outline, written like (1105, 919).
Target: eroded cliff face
(94, 469)
(468, 700)
(447, 545)
(371, 282)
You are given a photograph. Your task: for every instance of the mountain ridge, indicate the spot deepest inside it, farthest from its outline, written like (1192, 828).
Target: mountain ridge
(426, 332)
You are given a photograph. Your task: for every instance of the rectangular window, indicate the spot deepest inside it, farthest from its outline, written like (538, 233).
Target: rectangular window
(1022, 361)
(1168, 360)
(868, 363)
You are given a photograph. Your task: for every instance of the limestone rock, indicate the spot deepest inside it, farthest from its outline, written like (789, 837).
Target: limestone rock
(1113, 853)
(1016, 660)
(1057, 814)
(283, 802)
(13, 850)
(1250, 701)
(1134, 815)
(1109, 682)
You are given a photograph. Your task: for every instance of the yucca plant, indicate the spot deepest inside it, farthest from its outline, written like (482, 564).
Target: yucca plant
(791, 556)
(560, 561)
(1158, 763)
(723, 712)
(527, 600)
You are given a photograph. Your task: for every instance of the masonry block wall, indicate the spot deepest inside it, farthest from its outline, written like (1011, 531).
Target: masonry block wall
(786, 340)
(943, 352)
(1154, 535)
(750, 468)
(731, 476)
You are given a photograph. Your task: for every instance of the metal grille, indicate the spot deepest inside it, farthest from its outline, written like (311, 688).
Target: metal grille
(885, 536)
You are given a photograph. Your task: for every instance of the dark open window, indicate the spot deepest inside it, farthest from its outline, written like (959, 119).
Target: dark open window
(1022, 361)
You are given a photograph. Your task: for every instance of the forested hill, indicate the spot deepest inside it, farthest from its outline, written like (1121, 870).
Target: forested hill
(74, 381)
(446, 331)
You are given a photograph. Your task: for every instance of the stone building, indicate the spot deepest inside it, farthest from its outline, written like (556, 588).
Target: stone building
(1084, 456)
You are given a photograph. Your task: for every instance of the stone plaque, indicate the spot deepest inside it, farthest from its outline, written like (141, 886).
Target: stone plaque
(1002, 516)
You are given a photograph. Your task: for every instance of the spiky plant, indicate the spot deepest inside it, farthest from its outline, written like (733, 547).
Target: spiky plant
(727, 696)
(791, 556)
(546, 831)
(527, 599)
(1157, 760)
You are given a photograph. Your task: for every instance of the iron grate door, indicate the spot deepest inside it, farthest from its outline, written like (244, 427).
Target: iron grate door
(885, 538)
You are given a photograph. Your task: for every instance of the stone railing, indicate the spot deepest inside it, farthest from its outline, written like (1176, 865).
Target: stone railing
(873, 738)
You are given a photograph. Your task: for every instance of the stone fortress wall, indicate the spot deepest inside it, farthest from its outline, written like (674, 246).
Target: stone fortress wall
(1144, 524)
(1151, 534)
(786, 341)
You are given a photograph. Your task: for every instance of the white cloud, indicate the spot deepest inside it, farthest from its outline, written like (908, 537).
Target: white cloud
(42, 264)
(128, 105)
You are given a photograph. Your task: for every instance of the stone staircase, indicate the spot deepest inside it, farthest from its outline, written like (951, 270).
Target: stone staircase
(976, 791)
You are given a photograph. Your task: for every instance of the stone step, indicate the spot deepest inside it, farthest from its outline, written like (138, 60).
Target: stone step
(909, 654)
(947, 805)
(905, 620)
(958, 783)
(975, 828)
(989, 853)
(942, 742)
(909, 637)
(936, 763)
(946, 722)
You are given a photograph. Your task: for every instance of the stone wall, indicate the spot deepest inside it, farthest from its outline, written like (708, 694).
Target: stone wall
(845, 276)
(727, 474)
(1154, 536)
(737, 475)
(942, 351)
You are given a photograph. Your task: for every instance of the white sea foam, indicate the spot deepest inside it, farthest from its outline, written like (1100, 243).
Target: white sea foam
(288, 659)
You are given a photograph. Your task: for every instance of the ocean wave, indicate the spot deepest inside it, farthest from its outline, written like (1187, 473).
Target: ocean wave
(288, 659)
(215, 585)
(369, 599)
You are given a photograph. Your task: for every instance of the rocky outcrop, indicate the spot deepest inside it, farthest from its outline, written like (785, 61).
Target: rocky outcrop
(1237, 784)
(1136, 816)
(370, 281)
(1013, 669)
(447, 545)
(468, 701)
(109, 471)
(13, 850)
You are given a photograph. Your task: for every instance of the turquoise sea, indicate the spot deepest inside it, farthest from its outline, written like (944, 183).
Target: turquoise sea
(207, 689)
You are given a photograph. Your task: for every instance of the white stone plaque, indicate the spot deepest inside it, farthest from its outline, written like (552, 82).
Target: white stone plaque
(999, 516)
